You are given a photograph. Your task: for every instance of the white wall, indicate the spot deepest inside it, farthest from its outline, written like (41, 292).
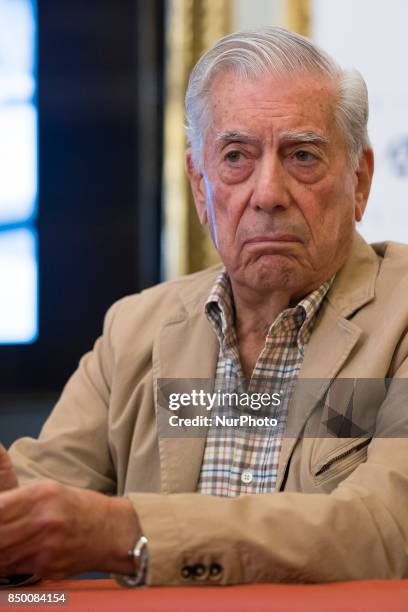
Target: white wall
(372, 36)
(255, 13)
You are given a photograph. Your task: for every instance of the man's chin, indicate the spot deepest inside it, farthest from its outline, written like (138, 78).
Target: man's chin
(270, 273)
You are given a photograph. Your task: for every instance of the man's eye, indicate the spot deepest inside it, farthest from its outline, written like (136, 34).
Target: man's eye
(233, 156)
(305, 156)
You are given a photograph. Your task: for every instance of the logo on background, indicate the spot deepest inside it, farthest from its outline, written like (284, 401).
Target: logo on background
(398, 156)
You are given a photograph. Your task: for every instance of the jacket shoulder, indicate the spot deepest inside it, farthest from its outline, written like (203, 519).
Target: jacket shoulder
(187, 292)
(142, 314)
(394, 254)
(393, 271)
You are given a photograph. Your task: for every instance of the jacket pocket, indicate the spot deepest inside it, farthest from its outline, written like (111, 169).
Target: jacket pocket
(342, 461)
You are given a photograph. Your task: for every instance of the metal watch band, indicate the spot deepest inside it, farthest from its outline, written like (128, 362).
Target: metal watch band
(140, 557)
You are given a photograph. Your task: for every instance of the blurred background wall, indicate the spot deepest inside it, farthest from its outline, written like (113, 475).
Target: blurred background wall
(370, 35)
(86, 229)
(93, 199)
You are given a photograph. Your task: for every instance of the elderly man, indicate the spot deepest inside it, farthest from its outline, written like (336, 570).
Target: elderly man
(280, 167)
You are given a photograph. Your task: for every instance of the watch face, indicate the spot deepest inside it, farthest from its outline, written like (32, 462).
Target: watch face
(7, 582)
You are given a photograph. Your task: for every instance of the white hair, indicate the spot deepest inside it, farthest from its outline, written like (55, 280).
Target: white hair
(272, 50)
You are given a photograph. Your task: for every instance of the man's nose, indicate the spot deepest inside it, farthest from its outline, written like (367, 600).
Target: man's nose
(271, 185)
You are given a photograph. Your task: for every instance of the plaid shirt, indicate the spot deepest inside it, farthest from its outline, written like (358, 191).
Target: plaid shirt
(238, 462)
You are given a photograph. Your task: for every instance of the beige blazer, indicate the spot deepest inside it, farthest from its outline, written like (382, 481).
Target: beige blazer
(342, 507)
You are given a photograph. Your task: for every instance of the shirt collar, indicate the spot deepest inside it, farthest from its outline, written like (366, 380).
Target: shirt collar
(220, 311)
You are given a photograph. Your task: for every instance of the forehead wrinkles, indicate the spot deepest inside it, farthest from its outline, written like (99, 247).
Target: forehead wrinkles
(307, 98)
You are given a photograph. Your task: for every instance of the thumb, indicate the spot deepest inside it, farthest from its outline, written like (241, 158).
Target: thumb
(8, 477)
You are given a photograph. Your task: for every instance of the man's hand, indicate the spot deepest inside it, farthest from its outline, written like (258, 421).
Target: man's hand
(54, 530)
(8, 478)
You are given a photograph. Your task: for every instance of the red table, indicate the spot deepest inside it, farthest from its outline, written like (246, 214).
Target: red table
(107, 596)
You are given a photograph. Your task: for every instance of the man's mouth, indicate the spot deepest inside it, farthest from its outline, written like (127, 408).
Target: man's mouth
(271, 240)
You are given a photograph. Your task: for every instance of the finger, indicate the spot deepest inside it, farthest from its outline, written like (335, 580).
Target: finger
(38, 555)
(17, 503)
(20, 563)
(11, 560)
(20, 540)
(8, 477)
(31, 565)
(17, 534)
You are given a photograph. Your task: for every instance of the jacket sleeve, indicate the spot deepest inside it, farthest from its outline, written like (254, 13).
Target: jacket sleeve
(358, 531)
(73, 444)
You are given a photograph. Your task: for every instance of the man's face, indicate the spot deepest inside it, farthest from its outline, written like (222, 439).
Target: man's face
(276, 187)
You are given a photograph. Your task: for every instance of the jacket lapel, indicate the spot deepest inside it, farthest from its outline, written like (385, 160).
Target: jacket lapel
(185, 349)
(328, 349)
(331, 342)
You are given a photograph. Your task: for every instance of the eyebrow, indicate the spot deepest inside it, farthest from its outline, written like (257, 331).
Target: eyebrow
(286, 136)
(303, 136)
(235, 136)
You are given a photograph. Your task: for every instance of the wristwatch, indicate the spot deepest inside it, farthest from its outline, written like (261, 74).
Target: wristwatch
(140, 556)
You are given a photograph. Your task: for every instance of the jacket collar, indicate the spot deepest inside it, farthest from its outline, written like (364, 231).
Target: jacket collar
(354, 284)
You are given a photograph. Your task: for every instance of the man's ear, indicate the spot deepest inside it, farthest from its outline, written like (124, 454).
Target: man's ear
(364, 176)
(196, 179)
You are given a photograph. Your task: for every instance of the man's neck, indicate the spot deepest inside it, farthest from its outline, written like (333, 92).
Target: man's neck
(253, 317)
(255, 312)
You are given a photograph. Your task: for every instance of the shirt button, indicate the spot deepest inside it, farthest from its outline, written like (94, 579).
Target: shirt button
(246, 476)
